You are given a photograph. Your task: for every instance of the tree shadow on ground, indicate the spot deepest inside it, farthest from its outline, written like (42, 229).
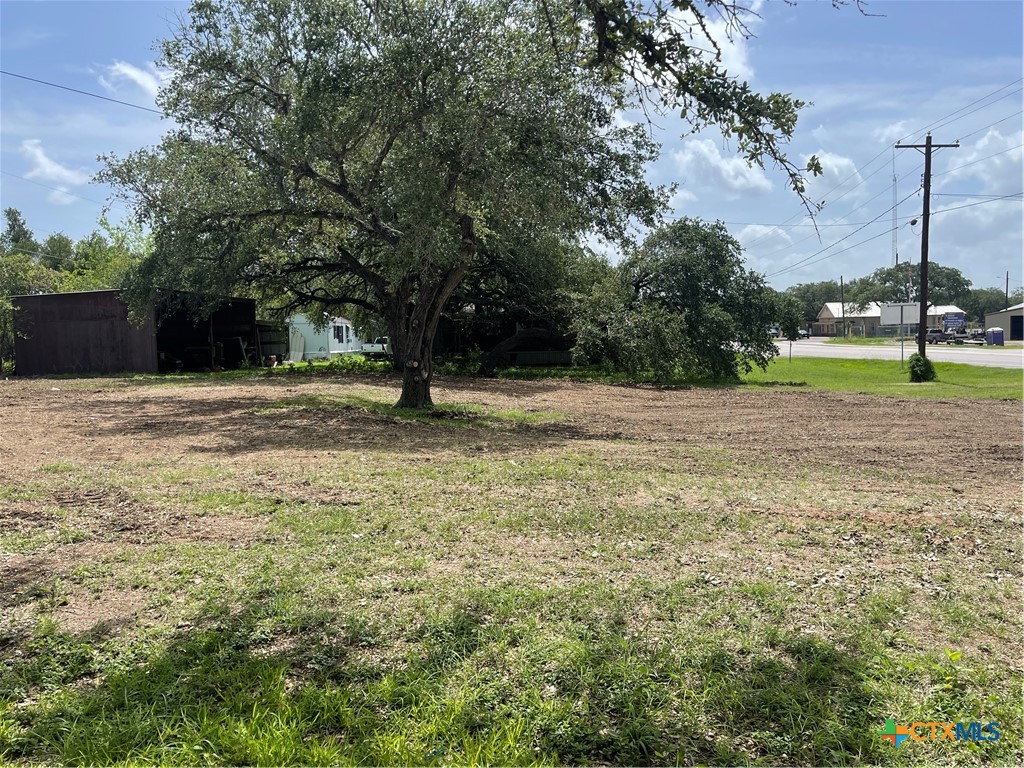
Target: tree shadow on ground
(262, 683)
(235, 426)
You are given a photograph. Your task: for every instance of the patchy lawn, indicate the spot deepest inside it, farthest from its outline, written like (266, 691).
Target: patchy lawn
(288, 570)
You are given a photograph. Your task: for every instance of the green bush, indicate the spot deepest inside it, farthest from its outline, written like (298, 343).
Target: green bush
(921, 368)
(357, 364)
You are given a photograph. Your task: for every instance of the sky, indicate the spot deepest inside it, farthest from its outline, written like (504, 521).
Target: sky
(873, 79)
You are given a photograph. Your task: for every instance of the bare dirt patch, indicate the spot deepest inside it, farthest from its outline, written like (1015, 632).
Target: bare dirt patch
(807, 488)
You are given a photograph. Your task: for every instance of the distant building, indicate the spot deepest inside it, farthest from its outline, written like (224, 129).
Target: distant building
(1011, 320)
(859, 322)
(867, 321)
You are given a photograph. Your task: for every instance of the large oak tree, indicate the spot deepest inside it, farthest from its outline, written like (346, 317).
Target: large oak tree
(364, 153)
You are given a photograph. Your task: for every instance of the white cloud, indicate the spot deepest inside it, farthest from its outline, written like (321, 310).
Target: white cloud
(839, 178)
(680, 198)
(888, 134)
(995, 161)
(61, 196)
(700, 162)
(619, 120)
(150, 79)
(46, 168)
(765, 237)
(732, 45)
(987, 234)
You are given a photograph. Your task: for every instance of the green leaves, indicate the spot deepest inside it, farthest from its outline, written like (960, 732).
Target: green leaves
(683, 307)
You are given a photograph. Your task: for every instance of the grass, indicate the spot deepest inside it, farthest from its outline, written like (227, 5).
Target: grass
(414, 601)
(870, 341)
(457, 414)
(883, 377)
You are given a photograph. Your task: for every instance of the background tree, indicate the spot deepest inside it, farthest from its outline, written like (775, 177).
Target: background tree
(57, 252)
(902, 283)
(811, 297)
(684, 305)
(104, 258)
(21, 273)
(364, 154)
(788, 315)
(17, 236)
(523, 298)
(980, 301)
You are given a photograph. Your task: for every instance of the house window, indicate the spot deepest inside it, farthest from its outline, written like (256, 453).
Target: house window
(339, 333)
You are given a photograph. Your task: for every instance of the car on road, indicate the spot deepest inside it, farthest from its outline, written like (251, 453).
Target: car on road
(803, 333)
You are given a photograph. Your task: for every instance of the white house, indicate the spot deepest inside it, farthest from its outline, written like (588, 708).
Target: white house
(305, 342)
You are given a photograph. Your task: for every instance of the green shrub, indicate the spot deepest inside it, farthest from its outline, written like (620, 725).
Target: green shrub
(921, 368)
(357, 364)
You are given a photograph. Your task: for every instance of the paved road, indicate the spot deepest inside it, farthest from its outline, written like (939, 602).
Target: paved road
(1007, 357)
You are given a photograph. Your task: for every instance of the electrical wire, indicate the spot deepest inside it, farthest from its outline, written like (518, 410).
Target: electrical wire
(83, 93)
(975, 162)
(806, 263)
(801, 262)
(55, 189)
(971, 205)
(992, 125)
(940, 122)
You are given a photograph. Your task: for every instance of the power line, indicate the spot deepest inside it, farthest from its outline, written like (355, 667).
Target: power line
(55, 189)
(83, 93)
(790, 246)
(803, 261)
(992, 125)
(962, 194)
(830, 255)
(1005, 95)
(955, 115)
(980, 202)
(980, 159)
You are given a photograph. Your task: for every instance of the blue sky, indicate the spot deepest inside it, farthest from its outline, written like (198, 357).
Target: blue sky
(954, 67)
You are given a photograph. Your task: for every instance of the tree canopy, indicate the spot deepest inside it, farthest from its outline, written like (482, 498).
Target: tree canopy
(902, 282)
(683, 306)
(365, 154)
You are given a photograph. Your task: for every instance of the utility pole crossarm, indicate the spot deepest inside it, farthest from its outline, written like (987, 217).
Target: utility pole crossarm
(925, 216)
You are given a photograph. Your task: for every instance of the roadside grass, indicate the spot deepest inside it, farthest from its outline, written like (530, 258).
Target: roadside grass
(884, 377)
(870, 341)
(627, 602)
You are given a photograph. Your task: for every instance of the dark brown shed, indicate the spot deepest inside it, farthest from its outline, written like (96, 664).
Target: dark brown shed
(89, 333)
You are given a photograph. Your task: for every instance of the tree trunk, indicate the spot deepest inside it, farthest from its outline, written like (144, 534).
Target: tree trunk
(413, 327)
(419, 370)
(414, 321)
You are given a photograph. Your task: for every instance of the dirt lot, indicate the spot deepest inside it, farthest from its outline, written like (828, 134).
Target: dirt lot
(847, 556)
(912, 465)
(102, 422)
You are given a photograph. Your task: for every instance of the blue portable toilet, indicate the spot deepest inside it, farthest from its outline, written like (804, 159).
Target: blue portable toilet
(994, 336)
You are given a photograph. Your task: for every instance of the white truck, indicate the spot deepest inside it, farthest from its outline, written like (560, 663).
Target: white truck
(378, 349)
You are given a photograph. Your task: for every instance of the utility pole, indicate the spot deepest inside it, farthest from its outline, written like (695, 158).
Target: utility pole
(922, 325)
(1007, 290)
(842, 304)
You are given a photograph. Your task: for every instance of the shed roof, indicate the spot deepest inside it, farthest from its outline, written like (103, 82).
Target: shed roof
(835, 309)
